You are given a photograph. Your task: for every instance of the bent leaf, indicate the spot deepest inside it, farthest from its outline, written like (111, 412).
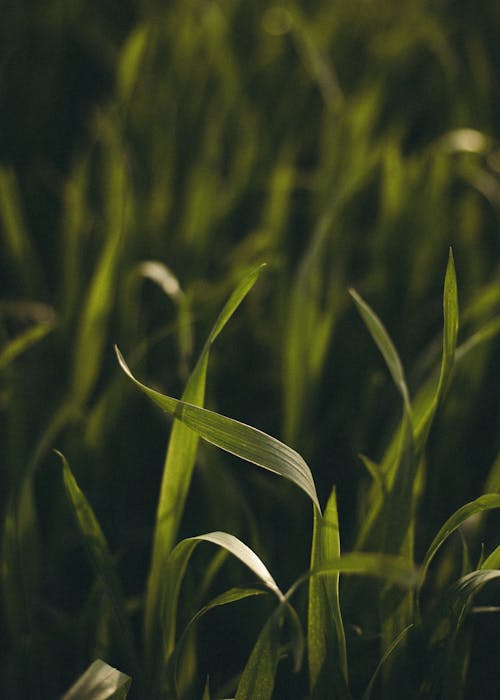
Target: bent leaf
(239, 439)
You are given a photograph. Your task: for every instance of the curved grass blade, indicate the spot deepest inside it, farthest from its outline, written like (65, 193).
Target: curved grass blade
(174, 573)
(445, 627)
(99, 555)
(178, 470)
(237, 438)
(325, 634)
(385, 345)
(100, 682)
(479, 505)
(22, 342)
(233, 595)
(493, 560)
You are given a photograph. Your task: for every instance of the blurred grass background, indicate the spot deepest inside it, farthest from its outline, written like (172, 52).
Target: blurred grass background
(151, 152)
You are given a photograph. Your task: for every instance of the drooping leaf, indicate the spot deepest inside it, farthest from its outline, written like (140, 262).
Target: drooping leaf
(100, 682)
(237, 438)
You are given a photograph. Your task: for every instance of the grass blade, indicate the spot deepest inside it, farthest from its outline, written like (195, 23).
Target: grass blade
(450, 334)
(173, 574)
(99, 555)
(237, 438)
(479, 505)
(178, 469)
(385, 345)
(258, 677)
(325, 637)
(22, 342)
(100, 682)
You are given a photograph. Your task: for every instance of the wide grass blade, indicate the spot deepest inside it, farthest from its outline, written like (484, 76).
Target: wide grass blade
(479, 505)
(100, 682)
(325, 635)
(237, 438)
(178, 469)
(100, 556)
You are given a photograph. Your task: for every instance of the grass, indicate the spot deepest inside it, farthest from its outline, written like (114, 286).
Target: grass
(338, 451)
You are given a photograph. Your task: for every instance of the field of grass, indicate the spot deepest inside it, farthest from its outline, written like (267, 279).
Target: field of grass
(249, 341)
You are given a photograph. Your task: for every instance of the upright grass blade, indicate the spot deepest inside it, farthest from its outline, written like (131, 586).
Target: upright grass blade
(237, 438)
(259, 674)
(325, 635)
(450, 334)
(177, 472)
(100, 557)
(479, 505)
(100, 682)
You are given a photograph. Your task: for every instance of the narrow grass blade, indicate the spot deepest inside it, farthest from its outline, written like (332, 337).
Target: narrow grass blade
(385, 345)
(233, 595)
(93, 325)
(22, 342)
(178, 469)
(99, 555)
(388, 653)
(479, 505)
(444, 628)
(258, 677)
(100, 682)
(206, 692)
(450, 334)
(237, 438)
(325, 636)
(18, 245)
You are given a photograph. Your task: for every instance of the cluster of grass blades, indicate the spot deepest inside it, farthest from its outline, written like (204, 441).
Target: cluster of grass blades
(423, 646)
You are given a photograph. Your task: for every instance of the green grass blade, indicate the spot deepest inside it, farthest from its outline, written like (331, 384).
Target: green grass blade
(178, 469)
(175, 568)
(22, 342)
(450, 334)
(233, 595)
(385, 345)
(99, 555)
(444, 629)
(18, 246)
(258, 677)
(237, 438)
(479, 505)
(100, 682)
(369, 688)
(325, 636)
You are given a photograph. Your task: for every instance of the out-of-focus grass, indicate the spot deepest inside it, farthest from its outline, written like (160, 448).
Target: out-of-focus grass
(347, 144)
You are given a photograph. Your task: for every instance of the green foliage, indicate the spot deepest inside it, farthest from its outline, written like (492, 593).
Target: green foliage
(153, 155)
